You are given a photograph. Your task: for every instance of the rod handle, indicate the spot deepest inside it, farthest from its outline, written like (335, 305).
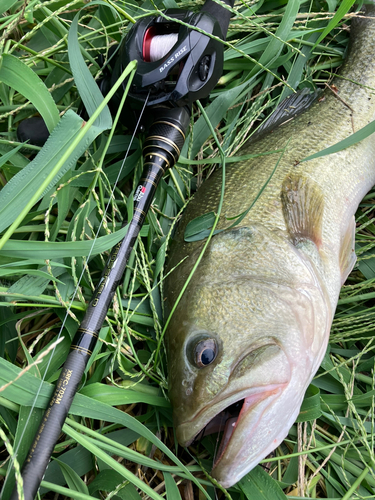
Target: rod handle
(164, 141)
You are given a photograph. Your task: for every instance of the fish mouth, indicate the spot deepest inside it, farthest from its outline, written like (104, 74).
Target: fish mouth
(227, 420)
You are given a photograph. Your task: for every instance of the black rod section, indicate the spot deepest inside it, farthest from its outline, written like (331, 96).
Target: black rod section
(161, 151)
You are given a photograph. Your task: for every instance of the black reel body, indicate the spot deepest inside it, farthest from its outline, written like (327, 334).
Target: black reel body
(190, 65)
(185, 67)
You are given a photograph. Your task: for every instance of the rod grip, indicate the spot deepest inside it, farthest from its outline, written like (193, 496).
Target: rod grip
(166, 137)
(36, 462)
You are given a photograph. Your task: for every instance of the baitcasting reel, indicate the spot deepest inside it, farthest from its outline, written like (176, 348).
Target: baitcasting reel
(176, 62)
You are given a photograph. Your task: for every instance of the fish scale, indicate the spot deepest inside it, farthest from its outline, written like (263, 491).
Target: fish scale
(266, 290)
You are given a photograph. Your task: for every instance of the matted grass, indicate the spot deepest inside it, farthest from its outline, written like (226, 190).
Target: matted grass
(118, 441)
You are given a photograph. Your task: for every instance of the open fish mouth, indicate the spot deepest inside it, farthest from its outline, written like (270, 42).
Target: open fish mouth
(225, 422)
(229, 418)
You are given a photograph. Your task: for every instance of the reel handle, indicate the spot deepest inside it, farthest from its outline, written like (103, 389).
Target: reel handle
(220, 13)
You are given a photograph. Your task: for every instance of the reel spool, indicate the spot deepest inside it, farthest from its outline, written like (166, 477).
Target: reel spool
(155, 47)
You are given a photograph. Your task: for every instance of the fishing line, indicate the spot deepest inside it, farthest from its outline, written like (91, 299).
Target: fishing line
(156, 47)
(85, 267)
(221, 428)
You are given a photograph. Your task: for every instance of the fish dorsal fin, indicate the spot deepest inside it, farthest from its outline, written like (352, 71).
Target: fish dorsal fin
(289, 108)
(303, 206)
(347, 251)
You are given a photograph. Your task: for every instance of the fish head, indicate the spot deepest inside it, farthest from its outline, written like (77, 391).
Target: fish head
(243, 344)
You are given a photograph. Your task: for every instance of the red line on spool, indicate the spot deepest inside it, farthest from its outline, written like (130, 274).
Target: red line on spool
(150, 33)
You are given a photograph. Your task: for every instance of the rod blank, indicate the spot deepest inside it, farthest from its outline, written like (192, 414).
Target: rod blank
(161, 151)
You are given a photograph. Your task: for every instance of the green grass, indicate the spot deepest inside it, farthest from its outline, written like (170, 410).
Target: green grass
(118, 441)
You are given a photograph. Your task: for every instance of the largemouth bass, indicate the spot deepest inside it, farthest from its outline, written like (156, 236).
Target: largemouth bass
(252, 327)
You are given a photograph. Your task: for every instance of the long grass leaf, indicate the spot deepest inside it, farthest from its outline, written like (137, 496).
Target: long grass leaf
(258, 485)
(358, 136)
(6, 5)
(7, 156)
(68, 493)
(26, 185)
(282, 33)
(89, 131)
(172, 492)
(72, 479)
(97, 452)
(20, 77)
(115, 396)
(86, 85)
(215, 113)
(23, 440)
(59, 250)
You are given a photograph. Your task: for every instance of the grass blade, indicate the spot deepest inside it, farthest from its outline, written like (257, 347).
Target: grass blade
(33, 181)
(87, 87)
(358, 136)
(59, 250)
(20, 77)
(343, 9)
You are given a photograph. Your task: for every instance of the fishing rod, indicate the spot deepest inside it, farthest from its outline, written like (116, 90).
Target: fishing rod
(178, 63)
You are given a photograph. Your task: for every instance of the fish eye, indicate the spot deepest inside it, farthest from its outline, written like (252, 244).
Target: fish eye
(205, 352)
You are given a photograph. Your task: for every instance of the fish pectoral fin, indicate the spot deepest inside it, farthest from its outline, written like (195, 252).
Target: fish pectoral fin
(347, 251)
(289, 108)
(303, 206)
